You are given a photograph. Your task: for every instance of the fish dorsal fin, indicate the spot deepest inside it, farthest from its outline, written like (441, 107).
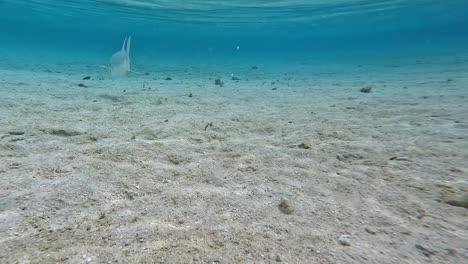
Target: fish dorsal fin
(127, 51)
(127, 48)
(123, 45)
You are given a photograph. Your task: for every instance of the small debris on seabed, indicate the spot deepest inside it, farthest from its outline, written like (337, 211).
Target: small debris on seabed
(168, 78)
(149, 134)
(285, 208)
(424, 250)
(87, 78)
(208, 125)
(190, 95)
(370, 230)
(367, 89)
(219, 82)
(254, 68)
(147, 73)
(344, 240)
(303, 146)
(61, 132)
(82, 85)
(459, 200)
(234, 78)
(400, 158)
(16, 133)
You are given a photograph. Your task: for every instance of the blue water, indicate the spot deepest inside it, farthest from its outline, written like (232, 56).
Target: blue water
(256, 131)
(90, 31)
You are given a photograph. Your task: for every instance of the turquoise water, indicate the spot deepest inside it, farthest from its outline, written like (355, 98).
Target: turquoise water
(294, 131)
(90, 31)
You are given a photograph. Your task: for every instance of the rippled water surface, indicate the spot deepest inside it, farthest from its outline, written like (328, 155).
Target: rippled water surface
(239, 13)
(257, 26)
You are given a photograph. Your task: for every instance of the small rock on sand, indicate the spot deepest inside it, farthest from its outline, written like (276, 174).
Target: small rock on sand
(303, 146)
(285, 208)
(367, 89)
(344, 240)
(219, 82)
(370, 230)
(458, 200)
(16, 133)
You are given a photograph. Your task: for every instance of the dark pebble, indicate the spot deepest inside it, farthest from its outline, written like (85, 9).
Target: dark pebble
(168, 79)
(87, 78)
(285, 208)
(16, 133)
(254, 68)
(367, 89)
(190, 95)
(370, 230)
(219, 82)
(303, 146)
(82, 85)
(460, 200)
(399, 158)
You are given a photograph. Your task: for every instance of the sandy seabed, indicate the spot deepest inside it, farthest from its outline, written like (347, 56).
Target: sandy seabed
(274, 167)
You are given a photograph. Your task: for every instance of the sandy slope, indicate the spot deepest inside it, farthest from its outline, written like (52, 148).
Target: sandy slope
(274, 167)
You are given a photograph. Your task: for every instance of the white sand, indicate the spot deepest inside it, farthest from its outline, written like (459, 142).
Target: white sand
(101, 175)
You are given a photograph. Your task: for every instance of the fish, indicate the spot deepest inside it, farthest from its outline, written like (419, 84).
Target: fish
(119, 63)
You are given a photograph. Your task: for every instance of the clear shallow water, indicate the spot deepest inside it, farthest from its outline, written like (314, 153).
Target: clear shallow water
(89, 166)
(89, 31)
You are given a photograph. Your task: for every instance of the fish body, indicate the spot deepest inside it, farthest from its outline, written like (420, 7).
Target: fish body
(119, 64)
